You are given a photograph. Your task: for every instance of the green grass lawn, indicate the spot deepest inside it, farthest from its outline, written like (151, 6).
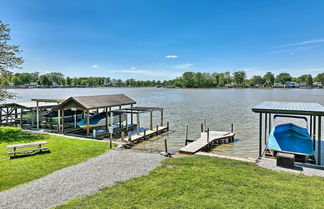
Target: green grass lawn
(205, 182)
(63, 152)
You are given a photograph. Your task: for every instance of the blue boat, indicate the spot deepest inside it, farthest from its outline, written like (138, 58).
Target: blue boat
(99, 120)
(290, 138)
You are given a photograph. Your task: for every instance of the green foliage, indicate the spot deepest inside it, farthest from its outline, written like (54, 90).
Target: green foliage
(205, 182)
(239, 77)
(320, 78)
(9, 59)
(63, 152)
(269, 78)
(283, 78)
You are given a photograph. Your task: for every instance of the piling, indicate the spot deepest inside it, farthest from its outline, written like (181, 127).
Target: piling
(187, 127)
(166, 146)
(201, 128)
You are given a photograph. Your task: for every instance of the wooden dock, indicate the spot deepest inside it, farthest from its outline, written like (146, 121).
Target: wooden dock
(206, 140)
(144, 135)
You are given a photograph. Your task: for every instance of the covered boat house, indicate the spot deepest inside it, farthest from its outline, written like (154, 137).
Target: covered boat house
(312, 111)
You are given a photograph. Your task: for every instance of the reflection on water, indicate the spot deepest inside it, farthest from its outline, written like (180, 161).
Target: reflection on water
(220, 107)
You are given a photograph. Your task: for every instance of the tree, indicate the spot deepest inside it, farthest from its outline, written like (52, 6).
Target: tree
(239, 77)
(9, 59)
(257, 80)
(44, 80)
(283, 78)
(269, 78)
(319, 78)
(309, 80)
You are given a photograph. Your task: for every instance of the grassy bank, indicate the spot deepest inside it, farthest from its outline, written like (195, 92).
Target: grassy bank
(63, 152)
(204, 182)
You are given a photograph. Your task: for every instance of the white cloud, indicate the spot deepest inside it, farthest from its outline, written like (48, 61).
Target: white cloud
(171, 56)
(183, 66)
(314, 41)
(95, 66)
(133, 68)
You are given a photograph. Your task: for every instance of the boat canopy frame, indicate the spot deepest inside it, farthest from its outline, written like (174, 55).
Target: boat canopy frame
(313, 110)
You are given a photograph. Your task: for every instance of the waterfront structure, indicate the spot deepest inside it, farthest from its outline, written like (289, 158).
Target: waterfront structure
(313, 111)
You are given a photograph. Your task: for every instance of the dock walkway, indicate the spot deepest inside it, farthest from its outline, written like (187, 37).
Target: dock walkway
(204, 141)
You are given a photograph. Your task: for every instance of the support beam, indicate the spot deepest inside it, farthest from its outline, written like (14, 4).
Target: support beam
(132, 120)
(161, 117)
(63, 121)
(260, 135)
(151, 120)
(265, 128)
(37, 115)
(107, 124)
(111, 130)
(138, 124)
(21, 117)
(88, 122)
(120, 122)
(311, 126)
(319, 135)
(0, 116)
(314, 131)
(269, 124)
(59, 120)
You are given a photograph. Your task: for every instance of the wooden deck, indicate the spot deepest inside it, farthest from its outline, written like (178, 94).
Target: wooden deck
(144, 135)
(203, 142)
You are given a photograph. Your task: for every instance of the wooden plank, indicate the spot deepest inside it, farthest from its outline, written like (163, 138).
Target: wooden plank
(202, 142)
(32, 144)
(26, 150)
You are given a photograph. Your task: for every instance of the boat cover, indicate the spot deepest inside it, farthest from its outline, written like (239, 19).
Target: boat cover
(290, 138)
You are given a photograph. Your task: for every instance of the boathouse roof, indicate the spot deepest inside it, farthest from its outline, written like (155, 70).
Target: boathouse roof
(28, 105)
(295, 108)
(96, 102)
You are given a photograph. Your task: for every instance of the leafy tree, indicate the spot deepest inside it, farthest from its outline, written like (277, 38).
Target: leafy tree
(283, 78)
(44, 80)
(239, 77)
(309, 80)
(319, 78)
(256, 80)
(9, 59)
(269, 78)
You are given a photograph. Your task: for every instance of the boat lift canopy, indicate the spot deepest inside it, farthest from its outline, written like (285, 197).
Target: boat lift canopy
(313, 110)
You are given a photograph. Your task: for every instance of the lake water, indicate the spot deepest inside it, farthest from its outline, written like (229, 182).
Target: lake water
(220, 107)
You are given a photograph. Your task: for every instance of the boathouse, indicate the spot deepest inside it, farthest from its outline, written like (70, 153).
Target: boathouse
(312, 111)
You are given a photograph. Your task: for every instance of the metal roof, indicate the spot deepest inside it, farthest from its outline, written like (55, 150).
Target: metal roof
(98, 101)
(295, 108)
(28, 105)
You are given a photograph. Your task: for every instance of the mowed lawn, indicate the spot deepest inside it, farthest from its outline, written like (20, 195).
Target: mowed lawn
(63, 152)
(205, 182)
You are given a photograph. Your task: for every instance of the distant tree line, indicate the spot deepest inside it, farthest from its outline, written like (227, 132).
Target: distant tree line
(187, 80)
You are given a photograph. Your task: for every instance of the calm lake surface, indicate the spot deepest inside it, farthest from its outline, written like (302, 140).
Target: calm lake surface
(220, 107)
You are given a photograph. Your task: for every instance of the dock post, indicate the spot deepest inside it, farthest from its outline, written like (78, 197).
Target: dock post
(151, 120)
(168, 126)
(132, 120)
(107, 124)
(311, 126)
(260, 135)
(123, 135)
(314, 131)
(187, 127)
(269, 131)
(162, 117)
(208, 136)
(319, 135)
(138, 124)
(265, 128)
(232, 128)
(110, 143)
(205, 124)
(144, 134)
(130, 137)
(201, 128)
(37, 115)
(58, 120)
(166, 146)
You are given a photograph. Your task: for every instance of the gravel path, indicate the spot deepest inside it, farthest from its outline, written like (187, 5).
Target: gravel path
(79, 180)
(300, 168)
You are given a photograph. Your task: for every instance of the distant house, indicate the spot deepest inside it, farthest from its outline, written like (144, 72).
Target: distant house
(291, 85)
(302, 85)
(317, 85)
(228, 85)
(278, 85)
(33, 85)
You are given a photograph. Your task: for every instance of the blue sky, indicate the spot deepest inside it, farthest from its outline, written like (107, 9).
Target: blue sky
(160, 39)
